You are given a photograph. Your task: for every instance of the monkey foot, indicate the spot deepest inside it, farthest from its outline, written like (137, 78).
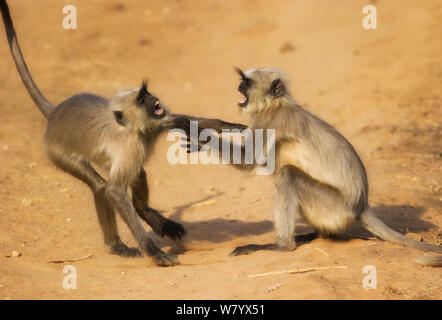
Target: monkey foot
(163, 226)
(244, 250)
(124, 251)
(163, 259)
(177, 247)
(173, 230)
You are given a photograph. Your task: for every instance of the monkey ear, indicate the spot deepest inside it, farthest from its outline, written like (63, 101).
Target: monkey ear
(143, 85)
(119, 118)
(241, 74)
(277, 88)
(142, 93)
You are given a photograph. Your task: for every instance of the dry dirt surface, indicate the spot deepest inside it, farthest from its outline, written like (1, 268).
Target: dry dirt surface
(380, 88)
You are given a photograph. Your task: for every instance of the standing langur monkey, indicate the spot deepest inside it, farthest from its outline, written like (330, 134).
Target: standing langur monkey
(318, 174)
(117, 135)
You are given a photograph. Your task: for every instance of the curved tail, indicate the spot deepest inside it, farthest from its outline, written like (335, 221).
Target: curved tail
(43, 104)
(430, 261)
(378, 228)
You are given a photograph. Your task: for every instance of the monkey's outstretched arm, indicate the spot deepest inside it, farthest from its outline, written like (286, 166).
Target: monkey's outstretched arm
(233, 153)
(218, 125)
(181, 121)
(239, 156)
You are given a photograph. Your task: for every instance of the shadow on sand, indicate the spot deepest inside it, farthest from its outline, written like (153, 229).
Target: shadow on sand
(401, 218)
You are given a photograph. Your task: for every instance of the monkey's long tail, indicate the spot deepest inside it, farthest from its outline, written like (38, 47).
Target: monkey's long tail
(44, 105)
(378, 228)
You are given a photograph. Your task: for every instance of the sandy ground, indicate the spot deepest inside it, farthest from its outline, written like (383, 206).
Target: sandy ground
(380, 88)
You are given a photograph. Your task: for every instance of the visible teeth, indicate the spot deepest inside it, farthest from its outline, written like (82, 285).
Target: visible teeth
(159, 111)
(242, 99)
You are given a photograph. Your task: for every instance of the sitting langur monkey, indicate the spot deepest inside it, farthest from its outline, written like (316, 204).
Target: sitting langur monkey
(117, 135)
(318, 173)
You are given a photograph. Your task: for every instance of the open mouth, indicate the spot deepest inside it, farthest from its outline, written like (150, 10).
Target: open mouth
(158, 110)
(242, 100)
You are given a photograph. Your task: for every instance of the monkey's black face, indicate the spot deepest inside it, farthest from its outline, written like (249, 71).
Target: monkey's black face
(244, 86)
(150, 103)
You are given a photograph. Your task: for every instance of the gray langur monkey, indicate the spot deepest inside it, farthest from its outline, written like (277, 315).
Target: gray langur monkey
(116, 135)
(318, 174)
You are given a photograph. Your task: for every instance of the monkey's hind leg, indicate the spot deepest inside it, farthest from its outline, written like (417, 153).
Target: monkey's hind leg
(122, 203)
(106, 215)
(287, 209)
(160, 225)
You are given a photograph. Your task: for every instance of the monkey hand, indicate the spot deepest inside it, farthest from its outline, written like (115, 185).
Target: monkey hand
(192, 146)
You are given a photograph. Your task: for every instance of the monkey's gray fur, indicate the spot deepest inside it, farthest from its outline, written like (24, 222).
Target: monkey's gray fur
(318, 174)
(117, 135)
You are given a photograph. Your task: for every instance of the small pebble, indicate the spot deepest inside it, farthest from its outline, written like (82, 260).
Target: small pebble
(287, 47)
(274, 287)
(205, 203)
(15, 253)
(211, 190)
(26, 202)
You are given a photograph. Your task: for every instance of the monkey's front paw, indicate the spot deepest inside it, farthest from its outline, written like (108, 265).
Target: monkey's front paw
(163, 259)
(173, 230)
(191, 146)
